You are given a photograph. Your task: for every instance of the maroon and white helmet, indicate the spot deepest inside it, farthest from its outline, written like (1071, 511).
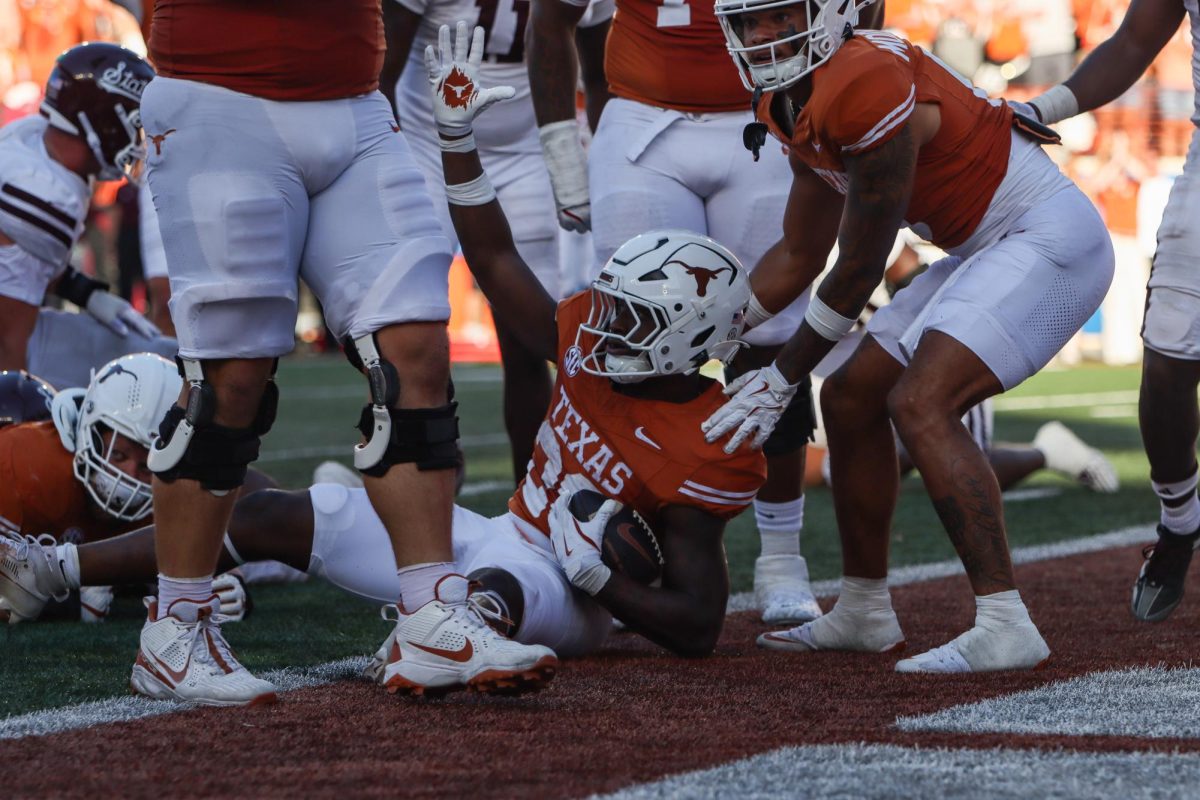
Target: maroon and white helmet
(95, 93)
(683, 299)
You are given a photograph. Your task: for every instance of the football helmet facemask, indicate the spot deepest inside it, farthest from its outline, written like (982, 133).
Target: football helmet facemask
(95, 93)
(128, 396)
(793, 54)
(664, 304)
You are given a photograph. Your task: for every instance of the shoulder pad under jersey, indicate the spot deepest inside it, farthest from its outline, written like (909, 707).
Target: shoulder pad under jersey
(42, 204)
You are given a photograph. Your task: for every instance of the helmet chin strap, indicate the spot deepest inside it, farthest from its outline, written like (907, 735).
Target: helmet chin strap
(617, 367)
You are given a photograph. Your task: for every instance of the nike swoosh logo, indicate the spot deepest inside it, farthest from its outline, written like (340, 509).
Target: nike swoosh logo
(582, 535)
(640, 432)
(625, 531)
(461, 655)
(175, 677)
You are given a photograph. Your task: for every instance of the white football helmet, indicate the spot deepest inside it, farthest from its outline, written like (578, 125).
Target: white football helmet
(683, 294)
(129, 396)
(830, 23)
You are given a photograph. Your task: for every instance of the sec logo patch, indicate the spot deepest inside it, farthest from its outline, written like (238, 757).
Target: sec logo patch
(572, 360)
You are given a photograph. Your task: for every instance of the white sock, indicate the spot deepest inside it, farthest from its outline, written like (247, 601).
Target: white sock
(1180, 505)
(1000, 610)
(67, 556)
(861, 595)
(779, 526)
(418, 582)
(197, 590)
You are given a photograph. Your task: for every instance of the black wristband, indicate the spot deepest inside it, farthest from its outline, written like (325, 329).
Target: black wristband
(76, 287)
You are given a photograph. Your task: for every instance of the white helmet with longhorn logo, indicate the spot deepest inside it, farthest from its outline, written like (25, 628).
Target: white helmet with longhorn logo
(664, 304)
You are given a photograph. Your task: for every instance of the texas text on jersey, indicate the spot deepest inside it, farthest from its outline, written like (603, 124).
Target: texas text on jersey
(861, 98)
(648, 454)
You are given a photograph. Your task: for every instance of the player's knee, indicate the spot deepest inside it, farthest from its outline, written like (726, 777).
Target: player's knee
(1163, 376)
(847, 400)
(401, 425)
(916, 410)
(192, 441)
(420, 353)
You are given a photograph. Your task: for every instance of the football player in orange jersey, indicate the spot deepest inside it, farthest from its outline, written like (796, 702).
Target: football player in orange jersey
(625, 419)
(881, 134)
(81, 476)
(665, 155)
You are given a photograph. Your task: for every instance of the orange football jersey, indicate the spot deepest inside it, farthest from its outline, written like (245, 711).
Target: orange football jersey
(39, 492)
(277, 49)
(648, 454)
(861, 98)
(672, 54)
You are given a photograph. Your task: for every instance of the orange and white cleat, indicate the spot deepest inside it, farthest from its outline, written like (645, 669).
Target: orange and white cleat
(183, 656)
(447, 645)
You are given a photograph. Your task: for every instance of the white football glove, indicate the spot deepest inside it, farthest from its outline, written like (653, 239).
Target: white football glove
(118, 316)
(759, 400)
(567, 164)
(453, 78)
(231, 592)
(577, 544)
(1024, 109)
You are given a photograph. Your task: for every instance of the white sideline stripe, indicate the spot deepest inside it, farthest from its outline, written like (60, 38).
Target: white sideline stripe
(483, 487)
(1079, 400)
(103, 712)
(359, 389)
(919, 573)
(1146, 702)
(124, 709)
(332, 450)
(890, 771)
(1034, 493)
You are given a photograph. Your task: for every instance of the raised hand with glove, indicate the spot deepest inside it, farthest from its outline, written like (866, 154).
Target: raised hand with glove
(454, 77)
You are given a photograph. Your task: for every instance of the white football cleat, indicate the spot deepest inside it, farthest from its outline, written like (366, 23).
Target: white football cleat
(782, 590)
(447, 645)
(1070, 456)
(183, 656)
(1012, 647)
(30, 576)
(339, 473)
(869, 632)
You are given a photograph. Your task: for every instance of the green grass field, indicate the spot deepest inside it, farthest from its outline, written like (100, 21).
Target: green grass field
(53, 664)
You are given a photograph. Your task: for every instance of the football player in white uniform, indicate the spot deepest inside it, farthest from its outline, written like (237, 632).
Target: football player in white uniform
(508, 145)
(88, 130)
(1168, 412)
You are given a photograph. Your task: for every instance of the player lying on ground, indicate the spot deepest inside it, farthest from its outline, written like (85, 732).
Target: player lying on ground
(1168, 413)
(880, 135)
(627, 405)
(89, 129)
(78, 474)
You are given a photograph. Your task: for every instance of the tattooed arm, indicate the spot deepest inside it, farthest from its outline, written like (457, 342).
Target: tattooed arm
(880, 184)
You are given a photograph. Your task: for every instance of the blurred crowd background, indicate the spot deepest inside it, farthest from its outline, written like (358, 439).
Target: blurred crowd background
(1124, 156)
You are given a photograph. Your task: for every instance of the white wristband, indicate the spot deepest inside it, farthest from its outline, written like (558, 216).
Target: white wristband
(464, 144)
(755, 314)
(565, 161)
(1055, 105)
(827, 323)
(472, 193)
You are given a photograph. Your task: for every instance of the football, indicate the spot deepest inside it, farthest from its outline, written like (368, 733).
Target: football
(629, 546)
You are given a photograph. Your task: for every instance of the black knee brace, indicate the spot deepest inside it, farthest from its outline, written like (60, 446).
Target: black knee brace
(427, 437)
(499, 595)
(795, 427)
(190, 445)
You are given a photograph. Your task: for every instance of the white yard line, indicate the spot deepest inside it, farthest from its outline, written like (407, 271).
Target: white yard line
(1078, 400)
(121, 709)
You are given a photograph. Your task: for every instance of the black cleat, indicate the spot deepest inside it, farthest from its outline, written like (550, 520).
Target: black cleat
(1159, 586)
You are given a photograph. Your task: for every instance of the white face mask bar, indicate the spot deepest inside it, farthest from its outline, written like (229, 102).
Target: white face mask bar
(119, 494)
(129, 162)
(651, 323)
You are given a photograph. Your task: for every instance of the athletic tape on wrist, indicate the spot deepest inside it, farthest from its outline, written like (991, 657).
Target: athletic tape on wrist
(463, 145)
(827, 323)
(1055, 105)
(472, 193)
(755, 314)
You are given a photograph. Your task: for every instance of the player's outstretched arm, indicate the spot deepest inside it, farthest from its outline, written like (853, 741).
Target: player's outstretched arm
(1116, 63)
(516, 295)
(685, 614)
(810, 227)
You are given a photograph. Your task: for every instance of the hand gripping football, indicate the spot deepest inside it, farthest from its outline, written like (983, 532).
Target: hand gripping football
(629, 546)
